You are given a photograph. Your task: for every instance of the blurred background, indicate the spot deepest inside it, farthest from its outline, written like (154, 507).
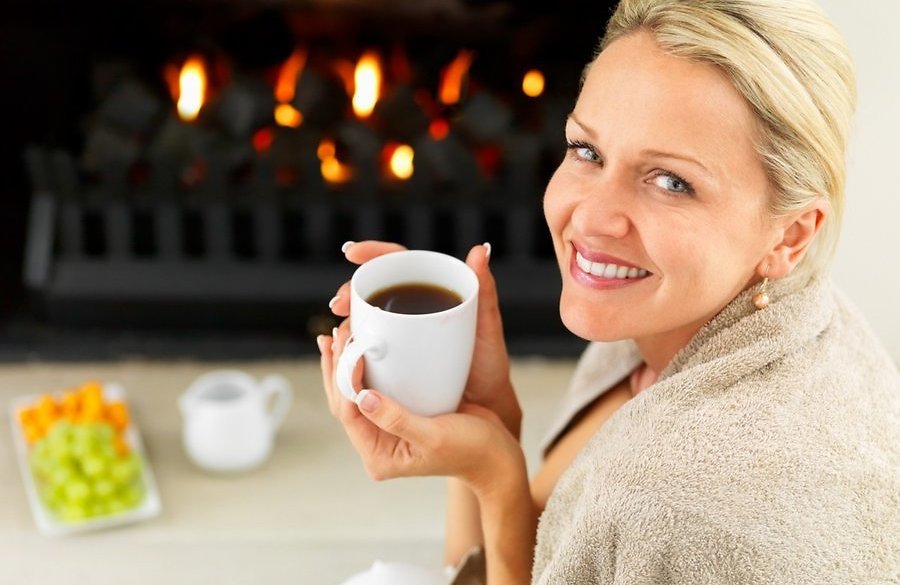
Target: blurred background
(179, 176)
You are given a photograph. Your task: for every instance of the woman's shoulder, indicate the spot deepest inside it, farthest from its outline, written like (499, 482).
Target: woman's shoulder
(746, 467)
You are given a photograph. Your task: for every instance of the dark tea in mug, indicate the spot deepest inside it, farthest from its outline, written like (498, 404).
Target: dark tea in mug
(415, 299)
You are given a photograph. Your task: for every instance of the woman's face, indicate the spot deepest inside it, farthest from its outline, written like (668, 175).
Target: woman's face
(658, 212)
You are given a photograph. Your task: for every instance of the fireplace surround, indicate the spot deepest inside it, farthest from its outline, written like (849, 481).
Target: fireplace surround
(141, 219)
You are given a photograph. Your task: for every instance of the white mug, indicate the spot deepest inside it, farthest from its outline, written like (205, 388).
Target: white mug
(230, 419)
(422, 361)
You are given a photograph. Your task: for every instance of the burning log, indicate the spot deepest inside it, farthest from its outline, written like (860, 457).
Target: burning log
(400, 115)
(242, 107)
(131, 107)
(484, 118)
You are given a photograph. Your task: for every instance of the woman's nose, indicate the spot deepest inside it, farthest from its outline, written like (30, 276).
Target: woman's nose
(603, 208)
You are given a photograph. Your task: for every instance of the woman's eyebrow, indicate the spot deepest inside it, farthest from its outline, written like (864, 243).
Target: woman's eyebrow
(681, 157)
(649, 152)
(583, 126)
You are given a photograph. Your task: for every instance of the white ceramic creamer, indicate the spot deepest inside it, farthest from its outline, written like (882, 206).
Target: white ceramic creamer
(230, 419)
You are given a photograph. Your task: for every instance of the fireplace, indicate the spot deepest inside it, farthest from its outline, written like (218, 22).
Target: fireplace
(220, 153)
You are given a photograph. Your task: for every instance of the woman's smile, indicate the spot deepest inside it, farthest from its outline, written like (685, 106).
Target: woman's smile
(598, 270)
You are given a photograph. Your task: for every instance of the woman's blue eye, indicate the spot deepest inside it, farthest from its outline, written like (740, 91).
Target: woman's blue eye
(583, 151)
(672, 183)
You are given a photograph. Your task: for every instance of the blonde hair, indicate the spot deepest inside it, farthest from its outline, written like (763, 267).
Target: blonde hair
(792, 66)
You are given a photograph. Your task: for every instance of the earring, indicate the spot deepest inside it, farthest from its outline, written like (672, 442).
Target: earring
(761, 298)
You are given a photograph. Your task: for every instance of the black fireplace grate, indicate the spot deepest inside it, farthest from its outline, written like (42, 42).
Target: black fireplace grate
(264, 262)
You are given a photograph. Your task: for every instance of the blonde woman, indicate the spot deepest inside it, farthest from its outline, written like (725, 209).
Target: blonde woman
(734, 419)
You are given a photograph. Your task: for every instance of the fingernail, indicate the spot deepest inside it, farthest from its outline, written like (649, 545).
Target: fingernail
(333, 301)
(333, 338)
(487, 254)
(367, 402)
(346, 245)
(320, 341)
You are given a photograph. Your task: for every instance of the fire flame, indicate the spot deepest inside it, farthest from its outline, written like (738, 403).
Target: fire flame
(287, 115)
(367, 84)
(533, 83)
(288, 76)
(401, 161)
(285, 88)
(333, 170)
(191, 88)
(453, 77)
(439, 128)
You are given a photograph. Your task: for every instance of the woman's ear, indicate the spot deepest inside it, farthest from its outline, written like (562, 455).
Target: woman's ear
(798, 231)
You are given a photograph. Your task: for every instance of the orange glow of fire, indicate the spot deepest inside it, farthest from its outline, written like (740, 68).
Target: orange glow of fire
(400, 162)
(439, 128)
(453, 77)
(333, 170)
(286, 84)
(191, 88)
(533, 83)
(344, 70)
(285, 88)
(287, 115)
(366, 84)
(262, 139)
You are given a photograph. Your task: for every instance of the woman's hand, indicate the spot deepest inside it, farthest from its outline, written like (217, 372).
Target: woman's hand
(489, 383)
(471, 444)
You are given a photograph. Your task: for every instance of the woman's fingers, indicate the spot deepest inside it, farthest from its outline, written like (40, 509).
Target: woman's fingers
(359, 252)
(478, 260)
(405, 440)
(340, 302)
(330, 348)
(345, 409)
(391, 417)
(326, 365)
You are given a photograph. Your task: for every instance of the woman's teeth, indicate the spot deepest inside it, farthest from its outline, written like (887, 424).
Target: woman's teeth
(608, 270)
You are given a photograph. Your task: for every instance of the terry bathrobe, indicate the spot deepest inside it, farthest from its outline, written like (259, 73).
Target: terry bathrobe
(768, 451)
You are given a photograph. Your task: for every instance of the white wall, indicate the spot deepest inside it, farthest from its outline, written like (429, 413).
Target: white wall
(867, 265)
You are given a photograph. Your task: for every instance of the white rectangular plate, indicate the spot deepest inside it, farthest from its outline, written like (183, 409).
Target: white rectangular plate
(46, 520)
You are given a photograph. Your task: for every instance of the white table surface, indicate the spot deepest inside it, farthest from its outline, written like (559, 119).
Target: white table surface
(309, 515)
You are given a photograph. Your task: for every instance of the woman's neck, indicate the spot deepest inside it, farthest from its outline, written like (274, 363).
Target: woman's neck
(660, 349)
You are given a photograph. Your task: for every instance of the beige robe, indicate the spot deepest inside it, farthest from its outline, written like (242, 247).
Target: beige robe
(768, 451)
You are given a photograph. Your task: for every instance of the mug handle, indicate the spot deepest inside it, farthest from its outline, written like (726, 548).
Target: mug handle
(279, 386)
(354, 349)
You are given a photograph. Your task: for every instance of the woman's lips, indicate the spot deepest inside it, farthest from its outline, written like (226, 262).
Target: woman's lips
(605, 274)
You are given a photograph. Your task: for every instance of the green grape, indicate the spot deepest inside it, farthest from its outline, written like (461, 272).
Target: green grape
(60, 433)
(41, 459)
(117, 506)
(62, 474)
(132, 495)
(41, 451)
(77, 491)
(93, 465)
(102, 433)
(81, 475)
(125, 470)
(73, 512)
(108, 451)
(104, 488)
(98, 508)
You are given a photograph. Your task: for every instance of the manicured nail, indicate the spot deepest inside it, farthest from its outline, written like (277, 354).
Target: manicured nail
(487, 254)
(320, 341)
(333, 338)
(346, 245)
(367, 402)
(333, 301)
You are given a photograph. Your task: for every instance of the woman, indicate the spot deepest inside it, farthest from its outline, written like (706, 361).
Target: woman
(735, 420)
